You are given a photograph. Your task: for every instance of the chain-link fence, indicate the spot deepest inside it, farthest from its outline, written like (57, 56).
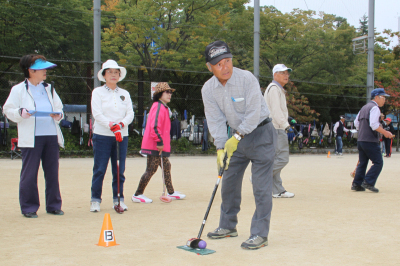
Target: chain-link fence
(74, 84)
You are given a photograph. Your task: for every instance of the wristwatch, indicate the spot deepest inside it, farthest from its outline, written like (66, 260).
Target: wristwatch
(238, 136)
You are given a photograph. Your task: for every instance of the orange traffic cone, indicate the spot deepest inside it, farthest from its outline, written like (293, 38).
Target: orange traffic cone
(329, 154)
(107, 237)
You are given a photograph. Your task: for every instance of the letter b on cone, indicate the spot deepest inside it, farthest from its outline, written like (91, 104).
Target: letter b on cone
(107, 237)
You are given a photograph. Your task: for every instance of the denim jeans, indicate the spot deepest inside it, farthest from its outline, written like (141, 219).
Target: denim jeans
(105, 147)
(368, 151)
(339, 144)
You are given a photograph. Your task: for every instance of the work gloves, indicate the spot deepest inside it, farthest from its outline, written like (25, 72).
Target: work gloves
(220, 159)
(230, 148)
(116, 129)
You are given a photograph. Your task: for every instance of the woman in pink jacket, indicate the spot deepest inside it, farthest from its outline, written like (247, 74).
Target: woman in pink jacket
(157, 141)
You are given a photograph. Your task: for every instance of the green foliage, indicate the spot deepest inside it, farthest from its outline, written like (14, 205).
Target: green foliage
(36, 26)
(161, 35)
(55, 29)
(363, 29)
(184, 146)
(181, 145)
(135, 143)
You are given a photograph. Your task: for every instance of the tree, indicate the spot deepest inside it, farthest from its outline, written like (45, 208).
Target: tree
(58, 30)
(363, 29)
(319, 50)
(339, 21)
(164, 35)
(297, 105)
(392, 104)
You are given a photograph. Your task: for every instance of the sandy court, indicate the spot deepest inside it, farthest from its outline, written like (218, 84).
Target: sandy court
(324, 224)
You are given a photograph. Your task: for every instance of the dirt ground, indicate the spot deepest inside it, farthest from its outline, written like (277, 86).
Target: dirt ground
(324, 224)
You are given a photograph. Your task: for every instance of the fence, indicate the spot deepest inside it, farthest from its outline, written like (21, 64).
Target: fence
(74, 83)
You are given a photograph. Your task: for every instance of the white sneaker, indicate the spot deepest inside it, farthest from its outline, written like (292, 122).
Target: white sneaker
(94, 206)
(284, 194)
(340, 154)
(122, 204)
(177, 195)
(141, 199)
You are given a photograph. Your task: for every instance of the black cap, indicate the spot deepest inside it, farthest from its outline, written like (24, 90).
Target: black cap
(216, 51)
(342, 117)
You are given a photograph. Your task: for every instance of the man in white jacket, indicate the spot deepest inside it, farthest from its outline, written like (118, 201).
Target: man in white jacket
(276, 101)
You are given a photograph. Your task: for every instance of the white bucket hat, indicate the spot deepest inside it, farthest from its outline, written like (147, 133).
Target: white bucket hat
(111, 64)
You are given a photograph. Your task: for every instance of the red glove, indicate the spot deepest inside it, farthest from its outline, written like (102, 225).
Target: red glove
(114, 127)
(118, 135)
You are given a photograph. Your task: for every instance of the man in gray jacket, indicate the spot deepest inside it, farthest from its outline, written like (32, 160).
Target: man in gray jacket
(275, 96)
(233, 95)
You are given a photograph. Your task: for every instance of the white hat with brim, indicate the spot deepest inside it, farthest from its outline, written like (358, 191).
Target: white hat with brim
(111, 64)
(280, 67)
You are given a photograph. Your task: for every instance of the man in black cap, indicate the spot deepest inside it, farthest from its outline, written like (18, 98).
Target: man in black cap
(367, 124)
(233, 95)
(339, 130)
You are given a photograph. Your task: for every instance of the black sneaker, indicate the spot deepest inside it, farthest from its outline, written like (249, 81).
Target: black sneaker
(356, 187)
(369, 187)
(56, 212)
(31, 215)
(255, 242)
(221, 233)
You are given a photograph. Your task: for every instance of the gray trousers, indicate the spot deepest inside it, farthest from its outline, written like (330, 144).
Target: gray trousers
(257, 147)
(281, 160)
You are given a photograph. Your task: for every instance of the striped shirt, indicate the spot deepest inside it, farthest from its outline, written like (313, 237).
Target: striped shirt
(239, 102)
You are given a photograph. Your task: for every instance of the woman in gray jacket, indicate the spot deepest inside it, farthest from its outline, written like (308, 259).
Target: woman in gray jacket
(38, 136)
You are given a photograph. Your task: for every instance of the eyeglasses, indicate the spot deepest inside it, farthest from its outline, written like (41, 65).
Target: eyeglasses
(284, 73)
(169, 92)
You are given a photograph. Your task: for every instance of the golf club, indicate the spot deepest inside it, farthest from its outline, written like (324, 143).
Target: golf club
(194, 242)
(118, 207)
(163, 197)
